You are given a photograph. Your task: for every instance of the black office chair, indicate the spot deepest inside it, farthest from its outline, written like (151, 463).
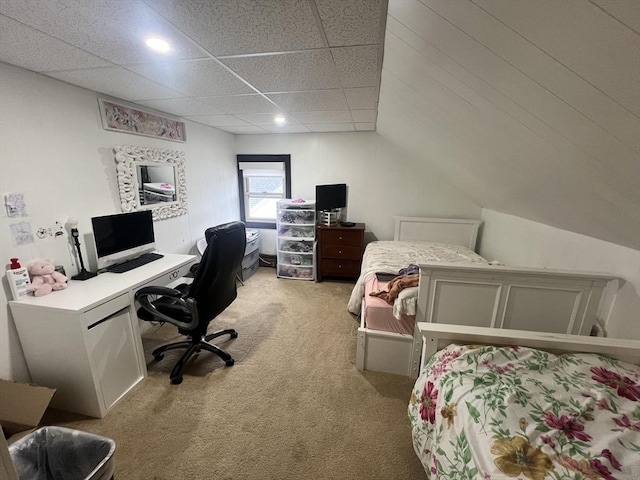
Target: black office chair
(192, 307)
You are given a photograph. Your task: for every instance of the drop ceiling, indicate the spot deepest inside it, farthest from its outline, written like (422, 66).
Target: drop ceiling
(234, 64)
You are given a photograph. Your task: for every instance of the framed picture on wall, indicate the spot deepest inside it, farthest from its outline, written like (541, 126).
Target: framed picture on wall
(124, 118)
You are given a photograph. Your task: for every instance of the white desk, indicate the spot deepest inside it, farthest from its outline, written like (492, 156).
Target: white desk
(85, 341)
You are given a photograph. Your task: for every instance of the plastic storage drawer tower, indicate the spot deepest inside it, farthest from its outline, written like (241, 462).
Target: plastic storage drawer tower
(296, 228)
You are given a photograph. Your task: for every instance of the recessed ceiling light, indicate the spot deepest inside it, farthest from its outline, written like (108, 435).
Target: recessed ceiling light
(158, 44)
(279, 120)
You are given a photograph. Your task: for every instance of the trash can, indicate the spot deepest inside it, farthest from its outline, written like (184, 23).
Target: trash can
(57, 453)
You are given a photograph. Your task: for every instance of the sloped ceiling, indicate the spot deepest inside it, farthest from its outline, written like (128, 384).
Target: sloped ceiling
(531, 107)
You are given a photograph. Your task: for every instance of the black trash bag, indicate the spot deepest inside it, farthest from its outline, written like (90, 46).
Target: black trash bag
(57, 453)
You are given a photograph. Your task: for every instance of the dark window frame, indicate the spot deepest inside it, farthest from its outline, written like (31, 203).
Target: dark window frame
(257, 159)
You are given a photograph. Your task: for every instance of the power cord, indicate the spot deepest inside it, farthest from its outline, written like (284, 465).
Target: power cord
(264, 262)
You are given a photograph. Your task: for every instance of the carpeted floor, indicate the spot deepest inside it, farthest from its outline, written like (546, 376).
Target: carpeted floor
(293, 406)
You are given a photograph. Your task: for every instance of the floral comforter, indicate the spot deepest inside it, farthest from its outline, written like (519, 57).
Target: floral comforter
(390, 256)
(502, 413)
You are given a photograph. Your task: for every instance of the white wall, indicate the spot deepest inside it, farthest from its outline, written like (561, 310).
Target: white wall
(382, 179)
(519, 242)
(54, 150)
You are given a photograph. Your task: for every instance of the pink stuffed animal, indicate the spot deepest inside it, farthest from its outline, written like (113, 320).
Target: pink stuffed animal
(44, 278)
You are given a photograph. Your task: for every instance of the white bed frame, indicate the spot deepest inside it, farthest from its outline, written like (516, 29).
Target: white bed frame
(437, 336)
(562, 302)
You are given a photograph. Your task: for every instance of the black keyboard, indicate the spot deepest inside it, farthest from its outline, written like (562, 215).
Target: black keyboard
(134, 263)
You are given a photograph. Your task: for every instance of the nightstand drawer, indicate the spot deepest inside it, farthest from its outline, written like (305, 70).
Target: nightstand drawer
(347, 252)
(340, 268)
(342, 236)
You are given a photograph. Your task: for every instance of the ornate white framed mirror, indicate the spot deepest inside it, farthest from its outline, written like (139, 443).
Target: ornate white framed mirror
(151, 178)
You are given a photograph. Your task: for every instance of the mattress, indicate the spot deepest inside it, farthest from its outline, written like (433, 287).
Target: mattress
(391, 256)
(165, 188)
(379, 314)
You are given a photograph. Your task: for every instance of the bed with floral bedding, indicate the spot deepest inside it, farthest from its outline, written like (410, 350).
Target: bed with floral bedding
(492, 412)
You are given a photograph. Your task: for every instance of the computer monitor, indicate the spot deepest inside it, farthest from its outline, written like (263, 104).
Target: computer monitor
(331, 197)
(123, 236)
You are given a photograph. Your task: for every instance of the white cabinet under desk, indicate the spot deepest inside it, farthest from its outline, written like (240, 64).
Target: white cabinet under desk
(85, 341)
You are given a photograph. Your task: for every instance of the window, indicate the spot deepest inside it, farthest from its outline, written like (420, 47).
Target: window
(262, 180)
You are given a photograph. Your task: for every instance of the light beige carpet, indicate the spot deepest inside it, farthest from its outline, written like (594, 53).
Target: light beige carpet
(294, 406)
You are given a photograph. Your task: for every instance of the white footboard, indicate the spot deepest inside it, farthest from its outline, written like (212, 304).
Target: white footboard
(437, 336)
(513, 298)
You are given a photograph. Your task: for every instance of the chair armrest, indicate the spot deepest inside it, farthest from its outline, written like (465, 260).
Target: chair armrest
(193, 270)
(174, 296)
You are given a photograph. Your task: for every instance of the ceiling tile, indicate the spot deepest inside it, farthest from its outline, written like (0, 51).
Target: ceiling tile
(293, 57)
(358, 66)
(350, 22)
(218, 120)
(364, 115)
(181, 106)
(366, 127)
(111, 29)
(331, 127)
(243, 129)
(117, 82)
(286, 128)
(198, 78)
(264, 118)
(324, 117)
(244, 26)
(311, 101)
(28, 48)
(362, 98)
(241, 104)
(311, 70)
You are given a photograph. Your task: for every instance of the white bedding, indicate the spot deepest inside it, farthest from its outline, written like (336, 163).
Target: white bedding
(390, 256)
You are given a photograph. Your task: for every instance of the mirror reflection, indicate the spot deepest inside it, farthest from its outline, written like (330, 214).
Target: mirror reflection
(153, 179)
(156, 184)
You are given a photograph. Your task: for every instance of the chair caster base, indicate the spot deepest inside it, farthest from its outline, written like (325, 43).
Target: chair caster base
(158, 357)
(234, 335)
(229, 363)
(176, 381)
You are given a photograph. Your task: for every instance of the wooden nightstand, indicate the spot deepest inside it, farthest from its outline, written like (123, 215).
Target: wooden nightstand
(340, 251)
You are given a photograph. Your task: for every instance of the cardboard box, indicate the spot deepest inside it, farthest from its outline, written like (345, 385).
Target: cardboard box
(7, 469)
(22, 406)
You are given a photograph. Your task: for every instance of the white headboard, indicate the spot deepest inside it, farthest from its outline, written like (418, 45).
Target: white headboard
(456, 231)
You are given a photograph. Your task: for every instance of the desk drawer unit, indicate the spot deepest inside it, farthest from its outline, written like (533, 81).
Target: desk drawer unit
(251, 259)
(89, 357)
(340, 251)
